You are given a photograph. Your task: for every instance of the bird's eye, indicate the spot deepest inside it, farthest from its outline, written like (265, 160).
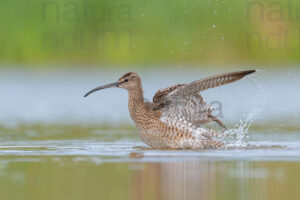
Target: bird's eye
(126, 80)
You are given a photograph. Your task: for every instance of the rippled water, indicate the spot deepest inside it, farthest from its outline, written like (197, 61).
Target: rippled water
(54, 144)
(123, 145)
(67, 162)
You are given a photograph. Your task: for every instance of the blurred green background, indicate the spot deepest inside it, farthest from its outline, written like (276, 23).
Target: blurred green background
(146, 33)
(55, 144)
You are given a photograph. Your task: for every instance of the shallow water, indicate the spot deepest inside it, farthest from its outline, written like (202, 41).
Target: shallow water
(74, 162)
(122, 144)
(54, 144)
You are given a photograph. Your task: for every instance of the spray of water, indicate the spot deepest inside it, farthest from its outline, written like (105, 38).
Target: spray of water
(236, 137)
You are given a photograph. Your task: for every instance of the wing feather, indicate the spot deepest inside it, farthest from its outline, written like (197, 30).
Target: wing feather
(214, 81)
(160, 95)
(169, 94)
(183, 101)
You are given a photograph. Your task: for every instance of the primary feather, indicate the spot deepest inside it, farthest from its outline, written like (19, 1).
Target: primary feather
(183, 102)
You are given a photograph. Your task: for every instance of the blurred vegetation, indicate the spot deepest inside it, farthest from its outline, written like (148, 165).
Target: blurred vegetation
(122, 32)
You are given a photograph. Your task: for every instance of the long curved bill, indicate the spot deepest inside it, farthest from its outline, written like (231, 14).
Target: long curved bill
(102, 87)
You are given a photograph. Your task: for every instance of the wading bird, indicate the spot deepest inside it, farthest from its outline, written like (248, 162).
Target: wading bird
(175, 117)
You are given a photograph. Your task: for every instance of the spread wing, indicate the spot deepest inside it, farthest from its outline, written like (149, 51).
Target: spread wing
(183, 101)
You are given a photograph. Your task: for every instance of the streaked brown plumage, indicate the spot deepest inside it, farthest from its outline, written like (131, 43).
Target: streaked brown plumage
(174, 118)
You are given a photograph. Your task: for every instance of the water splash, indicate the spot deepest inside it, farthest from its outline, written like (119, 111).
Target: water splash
(236, 137)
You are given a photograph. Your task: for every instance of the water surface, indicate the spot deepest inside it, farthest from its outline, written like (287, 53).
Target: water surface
(54, 144)
(94, 162)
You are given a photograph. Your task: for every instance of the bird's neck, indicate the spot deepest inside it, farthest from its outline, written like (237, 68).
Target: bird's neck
(136, 101)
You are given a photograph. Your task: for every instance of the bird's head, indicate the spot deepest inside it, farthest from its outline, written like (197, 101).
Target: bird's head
(128, 81)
